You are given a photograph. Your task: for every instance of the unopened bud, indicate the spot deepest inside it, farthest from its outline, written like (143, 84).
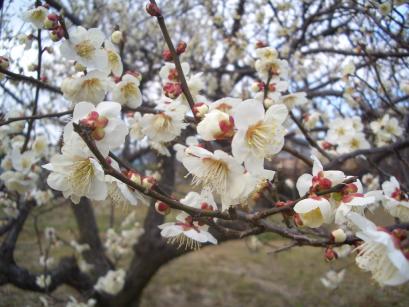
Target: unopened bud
(135, 177)
(162, 208)
(200, 109)
(329, 254)
(153, 10)
(32, 67)
(261, 44)
(181, 47)
(268, 102)
(57, 34)
(51, 21)
(339, 235)
(148, 182)
(4, 62)
(116, 37)
(167, 55)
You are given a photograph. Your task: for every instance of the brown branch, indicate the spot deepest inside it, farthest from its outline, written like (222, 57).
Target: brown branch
(175, 58)
(38, 116)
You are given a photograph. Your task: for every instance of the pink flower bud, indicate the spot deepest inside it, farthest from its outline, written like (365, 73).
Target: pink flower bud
(181, 47)
(162, 208)
(153, 10)
(51, 21)
(167, 55)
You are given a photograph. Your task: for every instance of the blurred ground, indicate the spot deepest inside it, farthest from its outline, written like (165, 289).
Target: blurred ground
(228, 275)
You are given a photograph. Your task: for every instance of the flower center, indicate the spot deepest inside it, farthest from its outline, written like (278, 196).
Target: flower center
(112, 57)
(162, 122)
(81, 176)
(85, 49)
(312, 217)
(258, 135)
(129, 90)
(216, 175)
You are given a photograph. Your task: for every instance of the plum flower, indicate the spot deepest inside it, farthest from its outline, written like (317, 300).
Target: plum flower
(84, 46)
(36, 16)
(76, 173)
(396, 201)
(112, 283)
(217, 171)
(108, 130)
(127, 91)
(319, 180)
(187, 232)
(260, 135)
(91, 87)
(314, 211)
(380, 253)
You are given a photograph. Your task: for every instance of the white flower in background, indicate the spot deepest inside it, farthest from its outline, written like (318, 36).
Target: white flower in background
(384, 8)
(135, 127)
(46, 262)
(40, 145)
(314, 211)
(348, 69)
(7, 163)
(85, 47)
(108, 130)
(36, 16)
(311, 119)
(43, 281)
(42, 197)
(164, 126)
(18, 181)
(277, 68)
(352, 142)
(112, 283)
(404, 86)
(332, 279)
(91, 87)
(76, 173)
(267, 54)
(339, 128)
(319, 180)
(127, 91)
(216, 125)
(114, 60)
(168, 72)
(260, 135)
(9, 206)
(370, 181)
(386, 130)
(294, 99)
(396, 202)
(217, 171)
(380, 253)
(79, 248)
(74, 303)
(23, 162)
(186, 232)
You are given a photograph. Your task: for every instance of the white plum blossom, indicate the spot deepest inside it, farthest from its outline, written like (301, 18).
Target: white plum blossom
(314, 211)
(217, 171)
(85, 47)
(386, 130)
(164, 126)
(76, 173)
(91, 87)
(187, 232)
(216, 125)
(396, 202)
(108, 130)
(127, 91)
(319, 180)
(114, 60)
(352, 142)
(36, 16)
(43, 281)
(332, 279)
(112, 283)
(259, 135)
(380, 253)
